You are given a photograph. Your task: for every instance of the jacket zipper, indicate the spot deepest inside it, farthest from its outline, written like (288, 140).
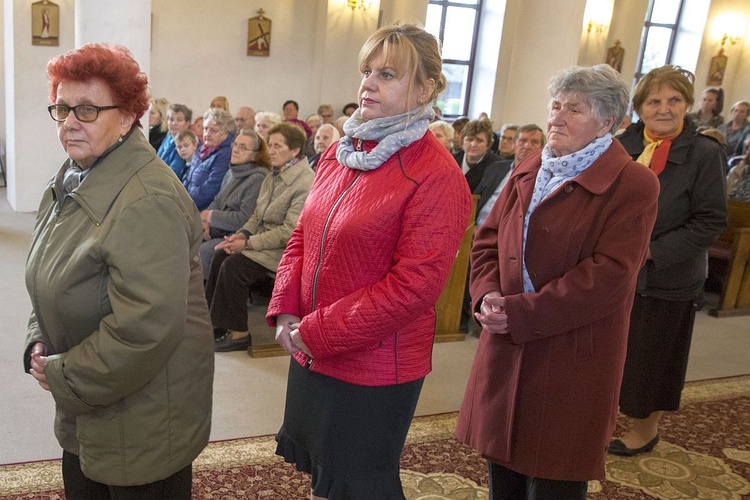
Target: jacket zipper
(323, 237)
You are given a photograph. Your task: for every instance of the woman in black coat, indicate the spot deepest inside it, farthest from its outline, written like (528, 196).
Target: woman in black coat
(692, 214)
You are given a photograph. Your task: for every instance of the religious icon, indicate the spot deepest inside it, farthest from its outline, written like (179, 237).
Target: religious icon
(45, 23)
(716, 70)
(615, 55)
(259, 35)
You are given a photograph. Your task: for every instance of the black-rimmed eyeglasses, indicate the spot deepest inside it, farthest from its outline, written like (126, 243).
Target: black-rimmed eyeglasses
(83, 112)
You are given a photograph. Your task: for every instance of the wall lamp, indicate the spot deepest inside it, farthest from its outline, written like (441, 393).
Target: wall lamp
(598, 27)
(358, 4)
(732, 39)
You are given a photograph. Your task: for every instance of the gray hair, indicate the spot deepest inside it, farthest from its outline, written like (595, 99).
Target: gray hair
(334, 131)
(181, 108)
(446, 127)
(531, 127)
(221, 118)
(508, 126)
(274, 117)
(600, 86)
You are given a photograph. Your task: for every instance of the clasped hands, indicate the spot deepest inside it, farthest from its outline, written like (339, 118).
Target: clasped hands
(38, 363)
(234, 243)
(288, 335)
(492, 314)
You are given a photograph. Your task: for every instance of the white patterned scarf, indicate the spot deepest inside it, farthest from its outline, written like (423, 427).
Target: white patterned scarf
(391, 132)
(551, 175)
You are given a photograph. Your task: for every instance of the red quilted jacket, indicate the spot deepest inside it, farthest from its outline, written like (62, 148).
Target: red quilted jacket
(368, 260)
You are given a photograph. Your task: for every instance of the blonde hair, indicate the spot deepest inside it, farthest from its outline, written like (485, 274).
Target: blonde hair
(161, 105)
(221, 101)
(411, 51)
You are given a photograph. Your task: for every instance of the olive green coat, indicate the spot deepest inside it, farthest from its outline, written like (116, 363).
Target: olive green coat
(117, 297)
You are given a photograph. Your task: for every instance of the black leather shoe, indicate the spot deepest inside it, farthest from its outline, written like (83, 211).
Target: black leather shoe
(617, 447)
(226, 343)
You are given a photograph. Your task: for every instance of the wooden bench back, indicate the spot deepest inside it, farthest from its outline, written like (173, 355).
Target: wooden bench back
(738, 216)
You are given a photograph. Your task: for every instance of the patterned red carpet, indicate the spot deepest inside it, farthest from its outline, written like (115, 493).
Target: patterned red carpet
(704, 453)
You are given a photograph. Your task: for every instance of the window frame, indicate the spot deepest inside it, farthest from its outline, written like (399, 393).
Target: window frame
(469, 63)
(647, 25)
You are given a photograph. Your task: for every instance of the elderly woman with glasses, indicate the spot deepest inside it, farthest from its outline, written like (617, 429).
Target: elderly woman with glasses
(119, 331)
(249, 257)
(211, 161)
(553, 272)
(237, 198)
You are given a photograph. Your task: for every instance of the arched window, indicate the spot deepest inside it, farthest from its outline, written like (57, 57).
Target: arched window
(456, 24)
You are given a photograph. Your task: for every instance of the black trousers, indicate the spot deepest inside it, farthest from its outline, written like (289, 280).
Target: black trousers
(506, 484)
(178, 486)
(229, 282)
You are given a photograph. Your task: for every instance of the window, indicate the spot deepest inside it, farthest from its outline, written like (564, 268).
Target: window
(455, 23)
(670, 35)
(658, 36)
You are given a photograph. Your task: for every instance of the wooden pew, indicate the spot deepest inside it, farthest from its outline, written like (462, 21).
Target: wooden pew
(733, 247)
(448, 307)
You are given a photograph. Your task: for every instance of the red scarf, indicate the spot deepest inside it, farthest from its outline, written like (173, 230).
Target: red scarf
(659, 158)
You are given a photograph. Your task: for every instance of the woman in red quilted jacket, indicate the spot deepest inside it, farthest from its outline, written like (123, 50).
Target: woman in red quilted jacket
(355, 294)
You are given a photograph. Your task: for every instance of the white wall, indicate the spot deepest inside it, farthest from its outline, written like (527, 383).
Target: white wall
(736, 82)
(33, 151)
(198, 51)
(627, 24)
(540, 38)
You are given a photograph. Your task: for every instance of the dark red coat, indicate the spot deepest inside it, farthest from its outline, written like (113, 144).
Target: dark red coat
(542, 400)
(368, 260)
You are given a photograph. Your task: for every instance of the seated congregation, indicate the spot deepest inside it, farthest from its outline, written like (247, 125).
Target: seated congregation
(250, 196)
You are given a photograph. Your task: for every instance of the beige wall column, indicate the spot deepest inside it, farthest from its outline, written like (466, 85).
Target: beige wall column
(539, 39)
(339, 38)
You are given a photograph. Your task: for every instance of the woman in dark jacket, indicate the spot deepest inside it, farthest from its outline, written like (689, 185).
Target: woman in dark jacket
(236, 201)
(692, 215)
(157, 122)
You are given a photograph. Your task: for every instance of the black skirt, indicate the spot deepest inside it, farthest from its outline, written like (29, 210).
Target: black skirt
(656, 363)
(349, 437)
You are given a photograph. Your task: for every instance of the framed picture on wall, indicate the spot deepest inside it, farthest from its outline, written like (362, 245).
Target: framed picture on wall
(45, 24)
(259, 35)
(716, 69)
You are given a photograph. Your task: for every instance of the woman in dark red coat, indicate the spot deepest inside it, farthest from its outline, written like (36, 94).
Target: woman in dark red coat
(552, 280)
(356, 288)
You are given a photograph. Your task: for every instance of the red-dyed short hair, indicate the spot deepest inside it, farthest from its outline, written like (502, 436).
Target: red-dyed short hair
(113, 64)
